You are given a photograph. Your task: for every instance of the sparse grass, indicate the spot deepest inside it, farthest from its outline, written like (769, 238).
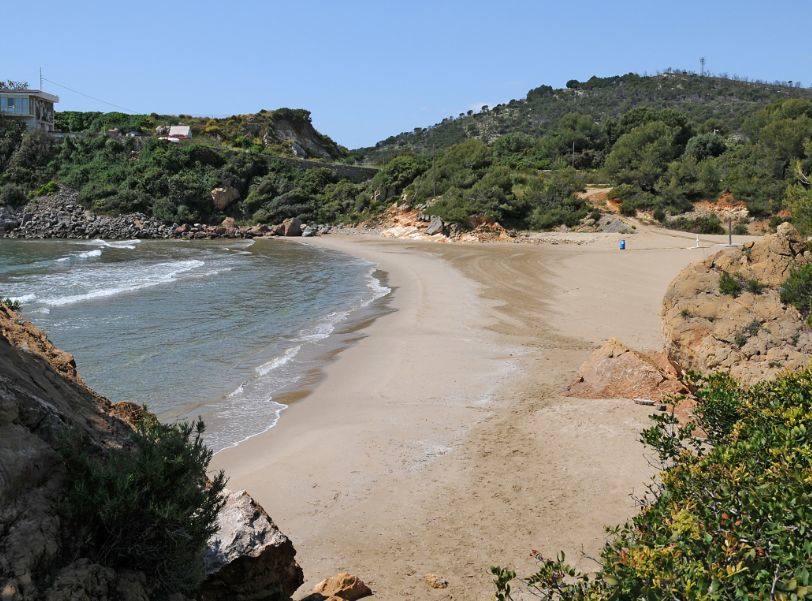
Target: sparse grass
(754, 286)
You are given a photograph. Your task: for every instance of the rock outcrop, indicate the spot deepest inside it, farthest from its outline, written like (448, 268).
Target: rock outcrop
(753, 336)
(224, 197)
(249, 558)
(43, 401)
(616, 371)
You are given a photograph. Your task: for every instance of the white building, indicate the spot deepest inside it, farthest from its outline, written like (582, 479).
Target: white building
(34, 107)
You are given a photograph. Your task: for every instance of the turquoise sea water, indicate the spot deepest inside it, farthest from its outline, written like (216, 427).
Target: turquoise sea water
(208, 328)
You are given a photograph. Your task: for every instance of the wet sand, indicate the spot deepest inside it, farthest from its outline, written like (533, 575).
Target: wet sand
(440, 442)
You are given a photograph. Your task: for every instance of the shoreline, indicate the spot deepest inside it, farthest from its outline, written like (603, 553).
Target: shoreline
(440, 441)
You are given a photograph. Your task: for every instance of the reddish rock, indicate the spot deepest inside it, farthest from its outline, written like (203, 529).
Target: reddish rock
(752, 336)
(344, 586)
(616, 371)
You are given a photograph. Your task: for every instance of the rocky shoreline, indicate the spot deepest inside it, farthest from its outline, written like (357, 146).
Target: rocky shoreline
(62, 216)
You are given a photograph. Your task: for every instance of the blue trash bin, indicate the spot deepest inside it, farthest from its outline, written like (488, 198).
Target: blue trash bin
(622, 245)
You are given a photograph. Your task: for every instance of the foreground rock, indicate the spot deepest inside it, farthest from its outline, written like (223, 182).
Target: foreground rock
(752, 336)
(42, 402)
(616, 371)
(249, 558)
(341, 586)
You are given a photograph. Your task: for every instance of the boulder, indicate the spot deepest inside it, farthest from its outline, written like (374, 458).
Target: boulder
(292, 227)
(258, 230)
(616, 371)
(344, 586)
(224, 197)
(752, 336)
(248, 558)
(435, 226)
(308, 232)
(229, 224)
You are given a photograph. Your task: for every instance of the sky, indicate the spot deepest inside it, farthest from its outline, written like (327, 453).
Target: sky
(370, 69)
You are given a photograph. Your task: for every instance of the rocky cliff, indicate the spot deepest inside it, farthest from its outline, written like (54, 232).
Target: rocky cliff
(42, 401)
(751, 334)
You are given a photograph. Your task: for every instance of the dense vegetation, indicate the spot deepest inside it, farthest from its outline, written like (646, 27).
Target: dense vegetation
(728, 518)
(663, 142)
(149, 508)
(727, 102)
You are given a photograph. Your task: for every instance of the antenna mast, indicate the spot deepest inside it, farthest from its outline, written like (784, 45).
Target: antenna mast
(702, 65)
(40, 79)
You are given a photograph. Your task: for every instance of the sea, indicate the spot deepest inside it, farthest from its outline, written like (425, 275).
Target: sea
(220, 330)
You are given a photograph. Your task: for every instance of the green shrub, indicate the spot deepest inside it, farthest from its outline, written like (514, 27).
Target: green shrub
(797, 289)
(740, 229)
(728, 518)
(701, 224)
(12, 195)
(729, 285)
(46, 189)
(149, 507)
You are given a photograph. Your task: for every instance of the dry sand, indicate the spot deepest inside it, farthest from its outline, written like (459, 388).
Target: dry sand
(440, 441)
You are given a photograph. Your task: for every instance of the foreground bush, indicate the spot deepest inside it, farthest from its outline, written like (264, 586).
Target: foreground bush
(730, 515)
(149, 508)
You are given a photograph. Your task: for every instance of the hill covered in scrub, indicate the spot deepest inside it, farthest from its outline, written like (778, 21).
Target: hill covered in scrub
(668, 147)
(284, 131)
(725, 102)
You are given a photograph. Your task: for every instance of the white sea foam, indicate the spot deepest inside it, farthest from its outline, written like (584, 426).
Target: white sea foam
(88, 254)
(378, 289)
(25, 298)
(277, 362)
(128, 244)
(323, 328)
(154, 275)
(237, 391)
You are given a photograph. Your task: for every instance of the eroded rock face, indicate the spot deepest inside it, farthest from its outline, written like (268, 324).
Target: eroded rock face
(249, 558)
(752, 336)
(616, 371)
(224, 197)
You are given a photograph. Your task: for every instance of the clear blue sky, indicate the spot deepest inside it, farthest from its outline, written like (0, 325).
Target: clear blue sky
(369, 69)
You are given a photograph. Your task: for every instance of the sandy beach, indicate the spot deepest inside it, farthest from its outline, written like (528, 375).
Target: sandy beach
(440, 441)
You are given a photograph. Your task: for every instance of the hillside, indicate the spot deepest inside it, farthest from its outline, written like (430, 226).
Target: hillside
(284, 131)
(728, 102)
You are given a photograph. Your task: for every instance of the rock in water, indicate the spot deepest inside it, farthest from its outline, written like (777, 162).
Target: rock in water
(752, 336)
(308, 232)
(616, 371)
(249, 558)
(344, 586)
(292, 227)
